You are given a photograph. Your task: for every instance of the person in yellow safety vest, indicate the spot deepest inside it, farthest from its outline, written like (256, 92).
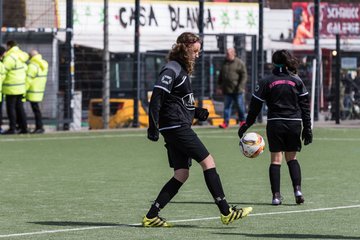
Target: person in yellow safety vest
(35, 86)
(14, 86)
(2, 77)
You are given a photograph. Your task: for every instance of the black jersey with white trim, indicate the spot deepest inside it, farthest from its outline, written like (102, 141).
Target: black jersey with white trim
(172, 103)
(285, 95)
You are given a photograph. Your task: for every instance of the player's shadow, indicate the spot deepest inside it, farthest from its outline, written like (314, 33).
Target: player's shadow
(231, 203)
(292, 236)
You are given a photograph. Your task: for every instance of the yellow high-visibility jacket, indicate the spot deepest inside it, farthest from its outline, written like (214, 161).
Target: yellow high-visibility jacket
(2, 77)
(15, 68)
(36, 78)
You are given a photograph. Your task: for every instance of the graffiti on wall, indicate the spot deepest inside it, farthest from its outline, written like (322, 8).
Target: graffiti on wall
(165, 16)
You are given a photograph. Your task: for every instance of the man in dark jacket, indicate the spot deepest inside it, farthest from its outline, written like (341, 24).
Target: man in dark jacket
(232, 82)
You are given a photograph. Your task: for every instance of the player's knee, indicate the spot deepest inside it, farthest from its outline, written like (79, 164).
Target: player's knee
(181, 175)
(276, 158)
(208, 163)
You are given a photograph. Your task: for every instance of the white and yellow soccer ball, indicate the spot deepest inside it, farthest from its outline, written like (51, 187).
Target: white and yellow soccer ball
(252, 144)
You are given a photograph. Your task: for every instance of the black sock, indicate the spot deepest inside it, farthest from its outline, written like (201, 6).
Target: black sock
(295, 172)
(274, 173)
(214, 185)
(169, 190)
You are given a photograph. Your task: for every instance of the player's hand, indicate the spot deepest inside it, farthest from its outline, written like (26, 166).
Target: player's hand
(153, 134)
(243, 128)
(307, 136)
(201, 113)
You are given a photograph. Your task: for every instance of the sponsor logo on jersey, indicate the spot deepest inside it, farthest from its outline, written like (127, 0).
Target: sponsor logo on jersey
(166, 80)
(189, 101)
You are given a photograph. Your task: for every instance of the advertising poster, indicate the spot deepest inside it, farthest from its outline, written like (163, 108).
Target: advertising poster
(335, 18)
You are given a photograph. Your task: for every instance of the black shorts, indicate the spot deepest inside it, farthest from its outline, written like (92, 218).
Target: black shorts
(284, 136)
(182, 145)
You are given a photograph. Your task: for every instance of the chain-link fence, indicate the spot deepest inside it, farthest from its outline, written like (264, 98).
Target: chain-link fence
(32, 25)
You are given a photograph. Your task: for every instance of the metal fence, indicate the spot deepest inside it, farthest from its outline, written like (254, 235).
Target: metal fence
(44, 25)
(32, 24)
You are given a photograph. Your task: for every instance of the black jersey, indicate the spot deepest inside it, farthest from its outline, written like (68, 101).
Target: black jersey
(172, 102)
(285, 95)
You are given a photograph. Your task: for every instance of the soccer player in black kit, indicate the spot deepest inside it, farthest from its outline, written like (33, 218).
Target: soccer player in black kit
(288, 120)
(171, 112)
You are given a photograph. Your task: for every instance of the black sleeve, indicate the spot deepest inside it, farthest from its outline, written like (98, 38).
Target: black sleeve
(304, 104)
(162, 86)
(254, 110)
(256, 101)
(305, 110)
(157, 99)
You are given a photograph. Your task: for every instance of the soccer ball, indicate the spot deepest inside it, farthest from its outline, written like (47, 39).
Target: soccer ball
(252, 144)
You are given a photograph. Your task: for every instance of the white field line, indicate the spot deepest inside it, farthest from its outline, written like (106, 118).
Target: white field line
(53, 231)
(174, 221)
(274, 213)
(127, 135)
(60, 138)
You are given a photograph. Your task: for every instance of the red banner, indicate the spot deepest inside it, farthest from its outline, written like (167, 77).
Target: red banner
(341, 18)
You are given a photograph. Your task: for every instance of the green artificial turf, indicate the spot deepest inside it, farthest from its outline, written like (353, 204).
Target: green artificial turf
(98, 185)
